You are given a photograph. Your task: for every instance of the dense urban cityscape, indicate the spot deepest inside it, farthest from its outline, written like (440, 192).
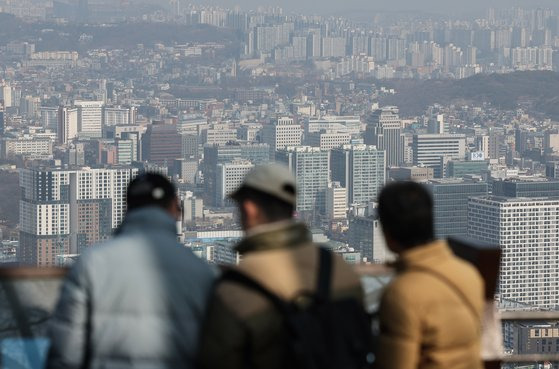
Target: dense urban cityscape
(94, 92)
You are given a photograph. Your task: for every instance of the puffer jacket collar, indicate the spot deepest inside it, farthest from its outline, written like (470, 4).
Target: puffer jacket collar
(147, 219)
(426, 256)
(292, 234)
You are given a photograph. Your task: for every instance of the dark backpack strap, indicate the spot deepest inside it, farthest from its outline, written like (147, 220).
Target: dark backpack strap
(232, 275)
(324, 274)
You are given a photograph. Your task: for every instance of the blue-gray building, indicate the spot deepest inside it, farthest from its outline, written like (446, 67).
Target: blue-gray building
(526, 188)
(459, 169)
(450, 197)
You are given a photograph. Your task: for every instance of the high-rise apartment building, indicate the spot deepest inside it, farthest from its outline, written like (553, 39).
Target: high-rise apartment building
(384, 130)
(281, 133)
(527, 230)
(434, 151)
(361, 169)
(450, 198)
(229, 178)
(90, 118)
(63, 211)
(310, 165)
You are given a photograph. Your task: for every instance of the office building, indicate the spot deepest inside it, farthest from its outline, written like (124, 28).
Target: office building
(126, 151)
(49, 117)
(552, 170)
(161, 144)
(416, 174)
(434, 151)
(25, 146)
(90, 118)
(229, 178)
(436, 125)
(2, 118)
(218, 134)
(281, 133)
(220, 252)
(450, 198)
(68, 127)
(459, 169)
(350, 124)
(483, 146)
(336, 202)
(64, 211)
(529, 338)
(216, 154)
(193, 208)
(384, 130)
(536, 187)
(361, 169)
(527, 230)
(311, 167)
(190, 147)
(6, 95)
(365, 235)
(118, 116)
(328, 139)
(186, 170)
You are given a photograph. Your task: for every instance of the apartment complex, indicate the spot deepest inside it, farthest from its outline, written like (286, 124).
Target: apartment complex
(62, 211)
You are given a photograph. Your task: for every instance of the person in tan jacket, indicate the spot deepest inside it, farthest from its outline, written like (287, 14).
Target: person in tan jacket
(243, 329)
(430, 314)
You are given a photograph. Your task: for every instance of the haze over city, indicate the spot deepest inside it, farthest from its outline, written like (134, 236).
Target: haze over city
(460, 97)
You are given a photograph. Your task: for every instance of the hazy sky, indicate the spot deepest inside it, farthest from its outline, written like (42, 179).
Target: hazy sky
(438, 6)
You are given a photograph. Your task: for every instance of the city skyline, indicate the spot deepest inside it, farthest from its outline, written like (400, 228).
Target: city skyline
(461, 99)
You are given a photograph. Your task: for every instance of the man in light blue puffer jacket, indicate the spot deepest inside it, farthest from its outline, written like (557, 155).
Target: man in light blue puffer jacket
(138, 300)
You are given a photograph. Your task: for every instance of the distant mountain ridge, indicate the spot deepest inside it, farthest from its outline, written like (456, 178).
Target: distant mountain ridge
(536, 91)
(114, 36)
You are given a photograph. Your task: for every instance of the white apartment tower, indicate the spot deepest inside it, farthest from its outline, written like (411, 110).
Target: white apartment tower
(527, 230)
(63, 211)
